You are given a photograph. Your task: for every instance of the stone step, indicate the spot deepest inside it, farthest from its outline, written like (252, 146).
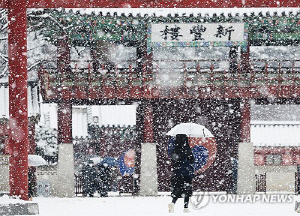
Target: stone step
(19, 209)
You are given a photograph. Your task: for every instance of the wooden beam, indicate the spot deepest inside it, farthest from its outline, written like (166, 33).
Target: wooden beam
(64, 122)
(245, 120)
(148, 123)
(3, 3)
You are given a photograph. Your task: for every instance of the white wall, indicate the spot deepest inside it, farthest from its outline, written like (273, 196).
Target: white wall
(3, 102)
(79, 121)
(49, 115)
(278, 178)
(81, 115)
(275, 133)
(115, 115)
(33, 103)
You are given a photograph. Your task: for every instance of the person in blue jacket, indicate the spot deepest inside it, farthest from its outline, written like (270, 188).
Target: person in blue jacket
(182, 172)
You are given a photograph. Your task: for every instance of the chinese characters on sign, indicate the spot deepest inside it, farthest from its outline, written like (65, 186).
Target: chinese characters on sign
(197, 31)
(223, 32)
(173, 33)
(191, 32)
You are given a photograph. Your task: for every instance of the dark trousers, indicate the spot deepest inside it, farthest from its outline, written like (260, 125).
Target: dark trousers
(186, 201)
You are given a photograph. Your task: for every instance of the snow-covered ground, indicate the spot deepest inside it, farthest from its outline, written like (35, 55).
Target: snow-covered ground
(153, 206)
(128, 205)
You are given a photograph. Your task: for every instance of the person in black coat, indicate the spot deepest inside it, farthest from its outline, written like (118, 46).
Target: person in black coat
(103, 179)
(31, 182)
(182, 172)
(89, 178)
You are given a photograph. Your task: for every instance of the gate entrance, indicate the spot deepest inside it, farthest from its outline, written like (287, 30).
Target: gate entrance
(141, 87)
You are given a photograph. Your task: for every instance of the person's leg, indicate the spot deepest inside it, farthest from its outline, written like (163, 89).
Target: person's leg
(186, 201)
(172, 204)
(174, 200)
(186, 204)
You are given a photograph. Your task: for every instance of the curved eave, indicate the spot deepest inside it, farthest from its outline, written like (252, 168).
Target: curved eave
(156, 4)
(138, 18)
(185, 12)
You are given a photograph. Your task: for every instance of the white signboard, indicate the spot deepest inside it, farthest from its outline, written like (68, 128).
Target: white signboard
(197, 32)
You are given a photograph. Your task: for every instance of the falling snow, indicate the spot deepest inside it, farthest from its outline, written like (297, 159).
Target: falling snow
(104, 94)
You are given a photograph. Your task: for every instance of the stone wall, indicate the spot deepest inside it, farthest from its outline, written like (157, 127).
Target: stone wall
(278, 178)
(47, 175)
(4, 173)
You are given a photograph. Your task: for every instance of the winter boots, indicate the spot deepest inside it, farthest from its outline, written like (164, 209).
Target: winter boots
(186, 210)
(171, 207)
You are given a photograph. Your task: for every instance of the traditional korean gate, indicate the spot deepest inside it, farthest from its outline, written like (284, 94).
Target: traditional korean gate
(18, 63)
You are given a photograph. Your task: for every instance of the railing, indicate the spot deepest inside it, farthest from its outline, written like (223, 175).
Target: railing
(261, 182)
(230, 73)
(78, 185)
(124, 185)
(185, 78)
(276, 72)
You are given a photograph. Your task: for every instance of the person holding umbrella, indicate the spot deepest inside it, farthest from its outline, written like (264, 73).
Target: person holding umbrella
(182, 172)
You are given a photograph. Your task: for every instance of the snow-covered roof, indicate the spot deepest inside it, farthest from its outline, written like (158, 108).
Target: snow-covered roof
(275, 112)
(184, 11)
(275, 133)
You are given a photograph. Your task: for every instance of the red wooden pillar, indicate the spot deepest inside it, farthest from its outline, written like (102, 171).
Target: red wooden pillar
(63, 54)
(64, 117)
(148, 123)
(18, 115)
(63, 66)
(64, 109)
(245, 120)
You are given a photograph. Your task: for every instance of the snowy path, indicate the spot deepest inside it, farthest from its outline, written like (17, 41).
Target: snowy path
(154, 206)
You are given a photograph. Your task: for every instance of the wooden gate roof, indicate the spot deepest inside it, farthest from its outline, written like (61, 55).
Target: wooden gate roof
(267, 26)
(153, 3)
